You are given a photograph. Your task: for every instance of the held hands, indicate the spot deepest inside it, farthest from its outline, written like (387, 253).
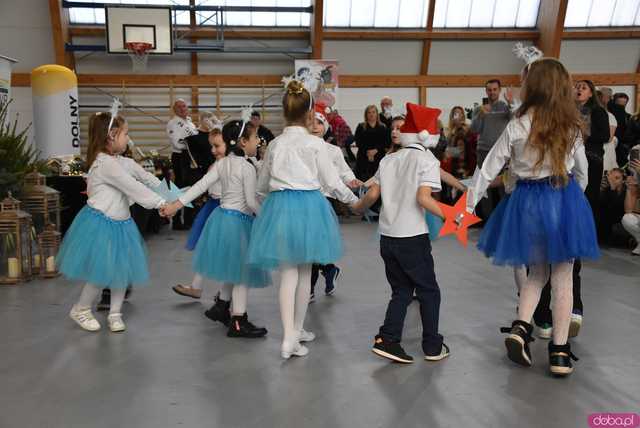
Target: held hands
(169, 210)
(354, 184)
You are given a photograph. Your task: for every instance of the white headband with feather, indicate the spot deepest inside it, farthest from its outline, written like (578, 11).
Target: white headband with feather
(528, 54)
(245, 116)
(115, 106)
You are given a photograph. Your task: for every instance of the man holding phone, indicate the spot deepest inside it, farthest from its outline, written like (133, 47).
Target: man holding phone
(491, 118)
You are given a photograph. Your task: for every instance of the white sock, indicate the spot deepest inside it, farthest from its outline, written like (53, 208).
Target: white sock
(197, 281)
(88, 296)
(289, 279)
(531, 290)
(225, 292)
(239, 299)
(562, 301)
(302, 296)
(117, 299)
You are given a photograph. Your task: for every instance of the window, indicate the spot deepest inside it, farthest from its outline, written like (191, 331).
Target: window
(603, 13)
(448, 13)
(79, 15)
(486, 13)
(376, 13)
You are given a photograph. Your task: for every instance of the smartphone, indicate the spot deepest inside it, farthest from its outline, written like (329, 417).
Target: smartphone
(634, 155)
(485, 101)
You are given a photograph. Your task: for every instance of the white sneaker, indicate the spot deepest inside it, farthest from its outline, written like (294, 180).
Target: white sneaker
(116, 325)
(85, 319)
(306, 336)
(298, 350)
(576, 324)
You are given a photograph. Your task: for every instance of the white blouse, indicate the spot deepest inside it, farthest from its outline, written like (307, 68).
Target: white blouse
(297, 160)
(115, 182)
(337, 158)
(237, 178)
(512, 146)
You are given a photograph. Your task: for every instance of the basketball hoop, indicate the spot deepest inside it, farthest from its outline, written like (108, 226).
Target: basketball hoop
(139, 53)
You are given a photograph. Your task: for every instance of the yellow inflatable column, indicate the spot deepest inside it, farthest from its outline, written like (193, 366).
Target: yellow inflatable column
(56, 114)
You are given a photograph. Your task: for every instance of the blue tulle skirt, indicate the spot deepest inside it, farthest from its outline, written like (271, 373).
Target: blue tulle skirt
(200, 221)
(540, 223)
(104, 252)
(221, 252)
(295, 227)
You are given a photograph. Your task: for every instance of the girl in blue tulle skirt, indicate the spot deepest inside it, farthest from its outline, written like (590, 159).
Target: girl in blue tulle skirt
(103, 246)
(546, 223)
(218, 148)
(297, 226)
(222, 250)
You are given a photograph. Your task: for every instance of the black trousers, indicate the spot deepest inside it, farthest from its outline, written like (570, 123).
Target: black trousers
(409, 267)
(543, 313)
(180, 165)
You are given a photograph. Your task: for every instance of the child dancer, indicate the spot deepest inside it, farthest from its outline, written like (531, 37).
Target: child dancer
(297, 226)
(321, 128)
(221, 252)
(405, 180)
(218, 149)
(547, 222)
(103, 245)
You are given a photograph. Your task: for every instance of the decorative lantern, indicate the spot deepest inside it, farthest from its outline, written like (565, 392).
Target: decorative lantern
(41, 201)
(15, 242)
(48, 245)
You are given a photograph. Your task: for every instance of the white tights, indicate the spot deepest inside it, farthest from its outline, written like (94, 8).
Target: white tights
(238, 299)
(90, 293)
(562, 297)
(295, 287)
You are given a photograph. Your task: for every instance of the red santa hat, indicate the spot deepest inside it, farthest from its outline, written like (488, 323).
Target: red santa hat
(321, 111)
(420, 126)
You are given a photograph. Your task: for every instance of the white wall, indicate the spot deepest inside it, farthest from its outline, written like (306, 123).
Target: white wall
(473, 57)
(375, 57)
(600, 56)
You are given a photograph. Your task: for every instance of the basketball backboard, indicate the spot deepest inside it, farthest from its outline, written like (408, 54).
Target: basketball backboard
(139, 24)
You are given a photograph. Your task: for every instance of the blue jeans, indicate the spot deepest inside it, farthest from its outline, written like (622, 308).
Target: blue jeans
(409, 267)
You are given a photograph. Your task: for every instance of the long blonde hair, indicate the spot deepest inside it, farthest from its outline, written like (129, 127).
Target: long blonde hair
(555, 121)
(99, 134)
(452, 130)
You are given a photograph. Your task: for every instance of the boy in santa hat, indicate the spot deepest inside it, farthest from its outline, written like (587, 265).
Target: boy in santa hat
(321, 128)
(405, 180)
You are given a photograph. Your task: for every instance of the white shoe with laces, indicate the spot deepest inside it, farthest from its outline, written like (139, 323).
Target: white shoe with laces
(297, 350)
(306, 336)
(116, 325)
(85, 319)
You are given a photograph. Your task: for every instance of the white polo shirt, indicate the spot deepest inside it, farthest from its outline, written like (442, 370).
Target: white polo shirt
(400, 175)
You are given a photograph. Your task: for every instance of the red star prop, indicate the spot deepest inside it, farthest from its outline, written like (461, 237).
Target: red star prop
(457, 220)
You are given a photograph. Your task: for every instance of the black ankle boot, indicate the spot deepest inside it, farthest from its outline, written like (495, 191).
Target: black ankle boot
(220, 312)
(517, 342)
(241, 327)
(560, 357)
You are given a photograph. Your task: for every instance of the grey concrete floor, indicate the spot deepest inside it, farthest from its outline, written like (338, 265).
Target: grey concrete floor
(174, 368)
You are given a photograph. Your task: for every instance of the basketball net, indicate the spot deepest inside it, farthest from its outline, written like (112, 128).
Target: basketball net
(139, 54)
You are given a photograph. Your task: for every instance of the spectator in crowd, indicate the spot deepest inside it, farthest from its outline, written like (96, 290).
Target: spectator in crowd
(609, 159)
(490, 119)
(612, 197)
(458, 126)
(631, 136)
(199, 149)
(386, 111)
(178, 129)
(264, 133)
(342, 134)
(631, 219)
(617, 106)
(596, 134)
(372, 140)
